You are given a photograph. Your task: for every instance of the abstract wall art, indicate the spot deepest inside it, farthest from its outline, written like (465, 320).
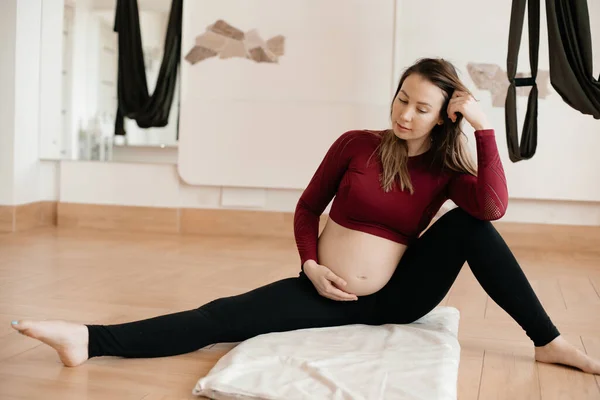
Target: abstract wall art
(493, 78)
(226, 41)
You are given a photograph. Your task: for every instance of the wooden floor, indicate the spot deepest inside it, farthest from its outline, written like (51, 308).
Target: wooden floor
(107, 277)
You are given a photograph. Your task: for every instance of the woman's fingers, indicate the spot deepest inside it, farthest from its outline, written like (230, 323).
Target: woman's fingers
(337, 294)
(451, 111)
(458, 93)
(335, 297)
(456, 105)
(335, 279)
(328, 285)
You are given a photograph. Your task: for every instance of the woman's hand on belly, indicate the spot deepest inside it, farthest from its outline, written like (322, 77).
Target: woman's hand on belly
(365, 262)
(327, 283)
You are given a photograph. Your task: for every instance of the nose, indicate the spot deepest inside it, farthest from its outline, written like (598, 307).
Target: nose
(406, 116)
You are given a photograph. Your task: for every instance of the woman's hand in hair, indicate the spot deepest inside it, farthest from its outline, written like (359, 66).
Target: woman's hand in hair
(464, 103)
(327, 283)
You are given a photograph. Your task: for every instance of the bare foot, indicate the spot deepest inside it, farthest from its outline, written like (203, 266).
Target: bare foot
(68, 339)
(559, 351)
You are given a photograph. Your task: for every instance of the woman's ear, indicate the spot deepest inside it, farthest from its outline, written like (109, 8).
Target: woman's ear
(441, 122)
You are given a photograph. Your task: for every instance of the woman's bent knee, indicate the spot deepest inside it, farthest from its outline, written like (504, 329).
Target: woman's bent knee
(461, 220)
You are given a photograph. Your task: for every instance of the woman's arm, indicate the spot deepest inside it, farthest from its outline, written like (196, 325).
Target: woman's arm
(486, 195)
(319, 193)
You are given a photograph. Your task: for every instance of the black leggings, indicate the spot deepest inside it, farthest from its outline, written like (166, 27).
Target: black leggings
(422, 279)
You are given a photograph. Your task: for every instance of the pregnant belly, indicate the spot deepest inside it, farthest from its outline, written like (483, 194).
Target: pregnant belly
(366, 262)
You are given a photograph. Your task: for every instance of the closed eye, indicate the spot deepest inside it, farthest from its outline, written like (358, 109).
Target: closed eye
(406, 102)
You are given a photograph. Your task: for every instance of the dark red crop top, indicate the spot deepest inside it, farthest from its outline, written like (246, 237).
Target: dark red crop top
(361, 204)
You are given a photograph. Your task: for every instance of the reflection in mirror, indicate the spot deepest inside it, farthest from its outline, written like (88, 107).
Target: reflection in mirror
(89, 85)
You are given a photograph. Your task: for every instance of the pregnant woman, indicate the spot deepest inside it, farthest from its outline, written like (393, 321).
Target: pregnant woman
(379, 259)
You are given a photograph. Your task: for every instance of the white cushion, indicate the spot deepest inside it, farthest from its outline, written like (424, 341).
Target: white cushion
(417, 361)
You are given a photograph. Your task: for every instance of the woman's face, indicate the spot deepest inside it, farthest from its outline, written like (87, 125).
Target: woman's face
(416, 109)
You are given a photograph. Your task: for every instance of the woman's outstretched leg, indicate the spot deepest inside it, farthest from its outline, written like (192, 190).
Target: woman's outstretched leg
(287, 304)
(430, 266)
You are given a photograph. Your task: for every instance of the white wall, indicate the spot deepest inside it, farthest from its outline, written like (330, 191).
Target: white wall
(19, 107)
(85, 71)
(159, 186)
(79, 87)
(566, 165)
(50, 94)
(127, 184)
(8, 29)
(155, 185)
(49, 178)
(256, 125)
(27, 95)
(253, 124)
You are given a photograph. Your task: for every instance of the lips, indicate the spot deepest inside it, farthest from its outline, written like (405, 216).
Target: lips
(402, 127)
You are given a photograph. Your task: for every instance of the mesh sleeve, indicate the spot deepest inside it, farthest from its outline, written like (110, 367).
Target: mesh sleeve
(486, 195)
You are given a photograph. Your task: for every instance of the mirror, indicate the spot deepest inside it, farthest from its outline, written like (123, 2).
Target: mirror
(89, 87)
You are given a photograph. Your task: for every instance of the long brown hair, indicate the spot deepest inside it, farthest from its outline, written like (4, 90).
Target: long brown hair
(448, 141)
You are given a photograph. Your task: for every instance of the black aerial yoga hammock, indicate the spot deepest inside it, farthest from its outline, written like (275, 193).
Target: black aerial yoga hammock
(134, 101)
(570, 51)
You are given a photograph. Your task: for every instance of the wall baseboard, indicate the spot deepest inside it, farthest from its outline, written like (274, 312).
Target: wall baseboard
(116, 217)
(200, 221)
(250, 223)
(275, 224)
(28, 216)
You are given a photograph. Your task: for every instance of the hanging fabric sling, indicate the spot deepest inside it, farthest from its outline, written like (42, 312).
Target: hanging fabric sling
(134, 101)
(528, 144)
(570, 51)
(570, 44)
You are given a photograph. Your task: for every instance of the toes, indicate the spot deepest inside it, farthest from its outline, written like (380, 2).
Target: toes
(21, 325)
(18, 325)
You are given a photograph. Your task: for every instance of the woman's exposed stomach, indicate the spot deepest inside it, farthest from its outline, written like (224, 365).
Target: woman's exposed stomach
(366, 262)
